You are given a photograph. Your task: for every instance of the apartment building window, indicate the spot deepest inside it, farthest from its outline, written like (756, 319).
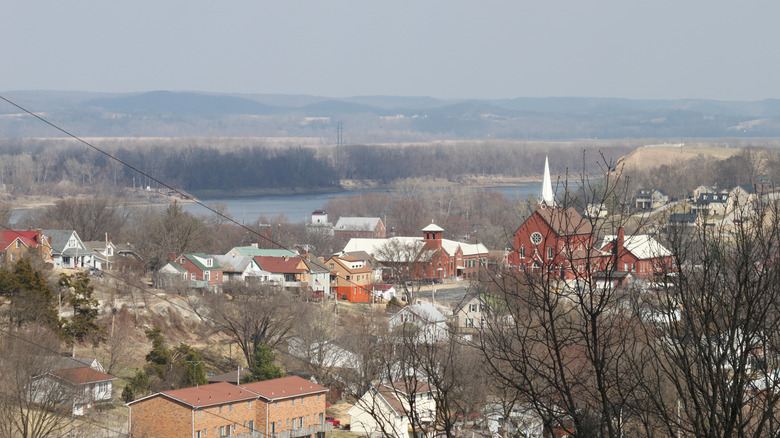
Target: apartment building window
(251, 425)
(220, 409)
(230, 407)
(293, 402)
(200, 413)
(321, 418)
(276, 405)
(197, 434)
(301, 400)
(249, 404)
(300, 421)
(295, 421)
(318, 397)
(221, 430)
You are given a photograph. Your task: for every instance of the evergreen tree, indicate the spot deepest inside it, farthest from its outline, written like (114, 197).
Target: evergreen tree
(191, 361)
(263, 366)
(82, 324)
(32, 300)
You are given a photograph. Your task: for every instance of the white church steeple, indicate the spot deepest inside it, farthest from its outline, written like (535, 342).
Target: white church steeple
(548, 197)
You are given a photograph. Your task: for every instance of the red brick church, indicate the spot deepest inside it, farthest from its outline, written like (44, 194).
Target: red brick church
(560, 241)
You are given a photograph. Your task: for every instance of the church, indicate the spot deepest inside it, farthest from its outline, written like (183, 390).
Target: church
(561, 242)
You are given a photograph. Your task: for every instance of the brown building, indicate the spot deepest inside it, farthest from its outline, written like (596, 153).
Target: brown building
(215, 410)
(15, 245)
(288, 407)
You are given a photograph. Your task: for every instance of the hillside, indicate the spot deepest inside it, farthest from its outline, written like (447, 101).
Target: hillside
(650, 157)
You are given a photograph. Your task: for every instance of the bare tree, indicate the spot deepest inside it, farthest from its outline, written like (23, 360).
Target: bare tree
(32, 405)
(406, 260)
(252, 315)
(712, 336)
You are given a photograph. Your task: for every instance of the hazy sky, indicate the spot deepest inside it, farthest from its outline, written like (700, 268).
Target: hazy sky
(710, 49)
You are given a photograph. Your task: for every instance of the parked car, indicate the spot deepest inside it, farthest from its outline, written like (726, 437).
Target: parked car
(94, 272)
(335, 422)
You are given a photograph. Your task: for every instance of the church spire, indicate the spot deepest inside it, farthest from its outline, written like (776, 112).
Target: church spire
(548, 197)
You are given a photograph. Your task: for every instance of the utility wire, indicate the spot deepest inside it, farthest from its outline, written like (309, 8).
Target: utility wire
(181, 193)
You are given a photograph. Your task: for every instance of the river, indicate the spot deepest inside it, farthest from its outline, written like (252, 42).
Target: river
(299, 207)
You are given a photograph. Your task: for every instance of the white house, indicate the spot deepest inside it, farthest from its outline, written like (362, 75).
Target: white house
(67, 249)
(430, 322)
(385, 411)
(241, 268)
(82, 382)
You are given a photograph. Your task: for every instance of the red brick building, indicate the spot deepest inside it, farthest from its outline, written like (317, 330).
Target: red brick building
(288, 407)
(215, 410)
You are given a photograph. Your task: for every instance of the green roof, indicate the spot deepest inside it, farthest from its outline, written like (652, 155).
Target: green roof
(254, 252)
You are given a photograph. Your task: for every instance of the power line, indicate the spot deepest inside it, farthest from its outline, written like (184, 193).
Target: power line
(158, 181)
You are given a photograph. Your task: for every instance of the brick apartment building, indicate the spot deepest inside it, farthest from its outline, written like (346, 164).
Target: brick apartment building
(288, 407)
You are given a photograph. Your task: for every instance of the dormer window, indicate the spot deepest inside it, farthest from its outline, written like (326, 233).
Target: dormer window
(181, 262)
(209, 262)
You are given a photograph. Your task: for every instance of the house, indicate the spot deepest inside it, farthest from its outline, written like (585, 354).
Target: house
(711, 204)
(106, 255)
(82, 381)
(650, 199)
(285, 271)
(101, 253)
(199, 270)
(319, 276)
(640, 254)
(741, 196)
(241, 269)
(428, 322)
(15, 245)
(596, 211)
(86, 387)
(350, 278)
(67, 249)
(290, 407)
(470, 317)
(217, 409)
(383, 292)
(359, 227)
(384, 411)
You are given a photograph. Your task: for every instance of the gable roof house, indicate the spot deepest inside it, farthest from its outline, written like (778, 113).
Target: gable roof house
(102, 253)
(241, 268)
(350, 278)
(428, 322)
(254, 251)
(286, 272)
(15, 245)
(67, 249)
(386, 411)
(649, 199)
(319, 277)
(82, 381)
(362, 227)
(640, 255)
(197, 269)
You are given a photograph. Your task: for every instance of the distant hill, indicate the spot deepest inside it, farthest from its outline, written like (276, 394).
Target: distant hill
(157, 102)
(383, 119)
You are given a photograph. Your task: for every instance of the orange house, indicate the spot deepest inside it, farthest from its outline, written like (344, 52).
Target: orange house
(15, 245)
(350, 279)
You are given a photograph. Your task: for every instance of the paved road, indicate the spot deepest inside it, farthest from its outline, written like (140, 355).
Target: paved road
(450, 294)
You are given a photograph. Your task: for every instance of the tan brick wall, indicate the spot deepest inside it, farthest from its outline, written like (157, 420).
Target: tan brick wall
(161, 417)
(284, 411)
(239, 416)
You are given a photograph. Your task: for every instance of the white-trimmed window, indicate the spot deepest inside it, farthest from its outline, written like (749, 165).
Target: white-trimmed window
(192, 276)
(207, 275)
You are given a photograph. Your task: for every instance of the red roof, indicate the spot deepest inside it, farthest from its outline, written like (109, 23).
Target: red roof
(28, 238)
(280, 265)
(82, 375)
(285, 387)
(206, 395)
